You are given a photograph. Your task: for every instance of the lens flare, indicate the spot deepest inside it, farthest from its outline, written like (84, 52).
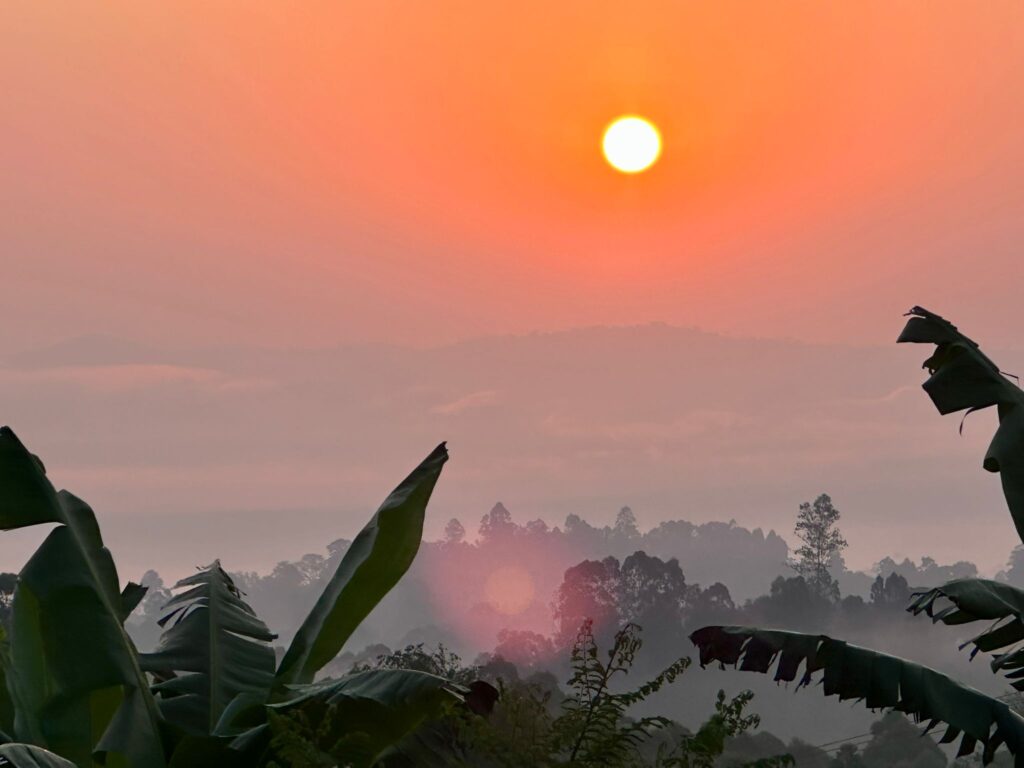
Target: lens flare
(509, 590)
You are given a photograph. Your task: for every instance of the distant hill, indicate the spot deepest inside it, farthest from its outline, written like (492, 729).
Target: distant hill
(257, 455)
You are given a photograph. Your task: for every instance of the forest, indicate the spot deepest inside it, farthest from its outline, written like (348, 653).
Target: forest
(528, 645)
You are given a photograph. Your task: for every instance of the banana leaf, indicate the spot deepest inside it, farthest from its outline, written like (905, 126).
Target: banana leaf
(878, 679)
(963, 378)
(365, 717)
(131, 596)
(966, 600)
(77, 687)
(208, 752)
(377, 559)
(26, 496)
(6, 702)
(214, 649)
(28, 756)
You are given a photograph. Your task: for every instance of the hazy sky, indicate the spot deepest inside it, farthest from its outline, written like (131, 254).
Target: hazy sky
(420, 171)
(186, 174)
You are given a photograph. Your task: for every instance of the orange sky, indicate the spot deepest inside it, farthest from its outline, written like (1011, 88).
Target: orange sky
(414, 171)
(186, 174)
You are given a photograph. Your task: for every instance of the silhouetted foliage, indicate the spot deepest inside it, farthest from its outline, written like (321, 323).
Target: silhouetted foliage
(527, 650)
(791, 602)
(890, 592)
(928, 573)
(535, 724)
(897, 743)
(8, 583)
(961, 378)
(589, 592)
(454, 532)
(820, 543)
(211, 693)
(496, 524)
(625, 525)
(654, 593)
(1014, 572)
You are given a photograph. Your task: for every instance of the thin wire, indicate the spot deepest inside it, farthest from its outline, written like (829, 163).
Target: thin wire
(838, 747)
(842, 741)
(832, 746)
(859, 741)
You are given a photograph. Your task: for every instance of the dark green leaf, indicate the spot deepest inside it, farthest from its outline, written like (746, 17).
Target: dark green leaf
(77, 683)
(26, 496)
(966, 600)
(362, 717)
(973, 599)
(27, 756)
(377, 559)
(242, 713)
(880, 680)
(963, 378)
(213, 650)
(206, 752)
(131, 596)
(6, 701)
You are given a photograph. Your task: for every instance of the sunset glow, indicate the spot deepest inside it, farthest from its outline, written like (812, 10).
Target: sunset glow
(492, 352)
(510, 590)
(631, 144)
(419, 175)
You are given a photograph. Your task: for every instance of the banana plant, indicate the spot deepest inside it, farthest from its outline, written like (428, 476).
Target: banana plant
(213, 649)
(215, 665)
(77, 692)
(961, 378)
(73, 674)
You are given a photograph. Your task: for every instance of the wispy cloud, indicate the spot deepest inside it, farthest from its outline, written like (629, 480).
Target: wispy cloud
(472, 401)
(131, 377)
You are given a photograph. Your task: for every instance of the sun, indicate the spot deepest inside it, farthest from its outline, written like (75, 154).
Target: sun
(631, 144)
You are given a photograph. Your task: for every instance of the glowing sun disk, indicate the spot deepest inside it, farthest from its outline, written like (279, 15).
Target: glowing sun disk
(631, 144)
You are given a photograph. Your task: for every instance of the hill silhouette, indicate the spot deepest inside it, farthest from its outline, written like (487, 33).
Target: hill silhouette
(670, 421)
